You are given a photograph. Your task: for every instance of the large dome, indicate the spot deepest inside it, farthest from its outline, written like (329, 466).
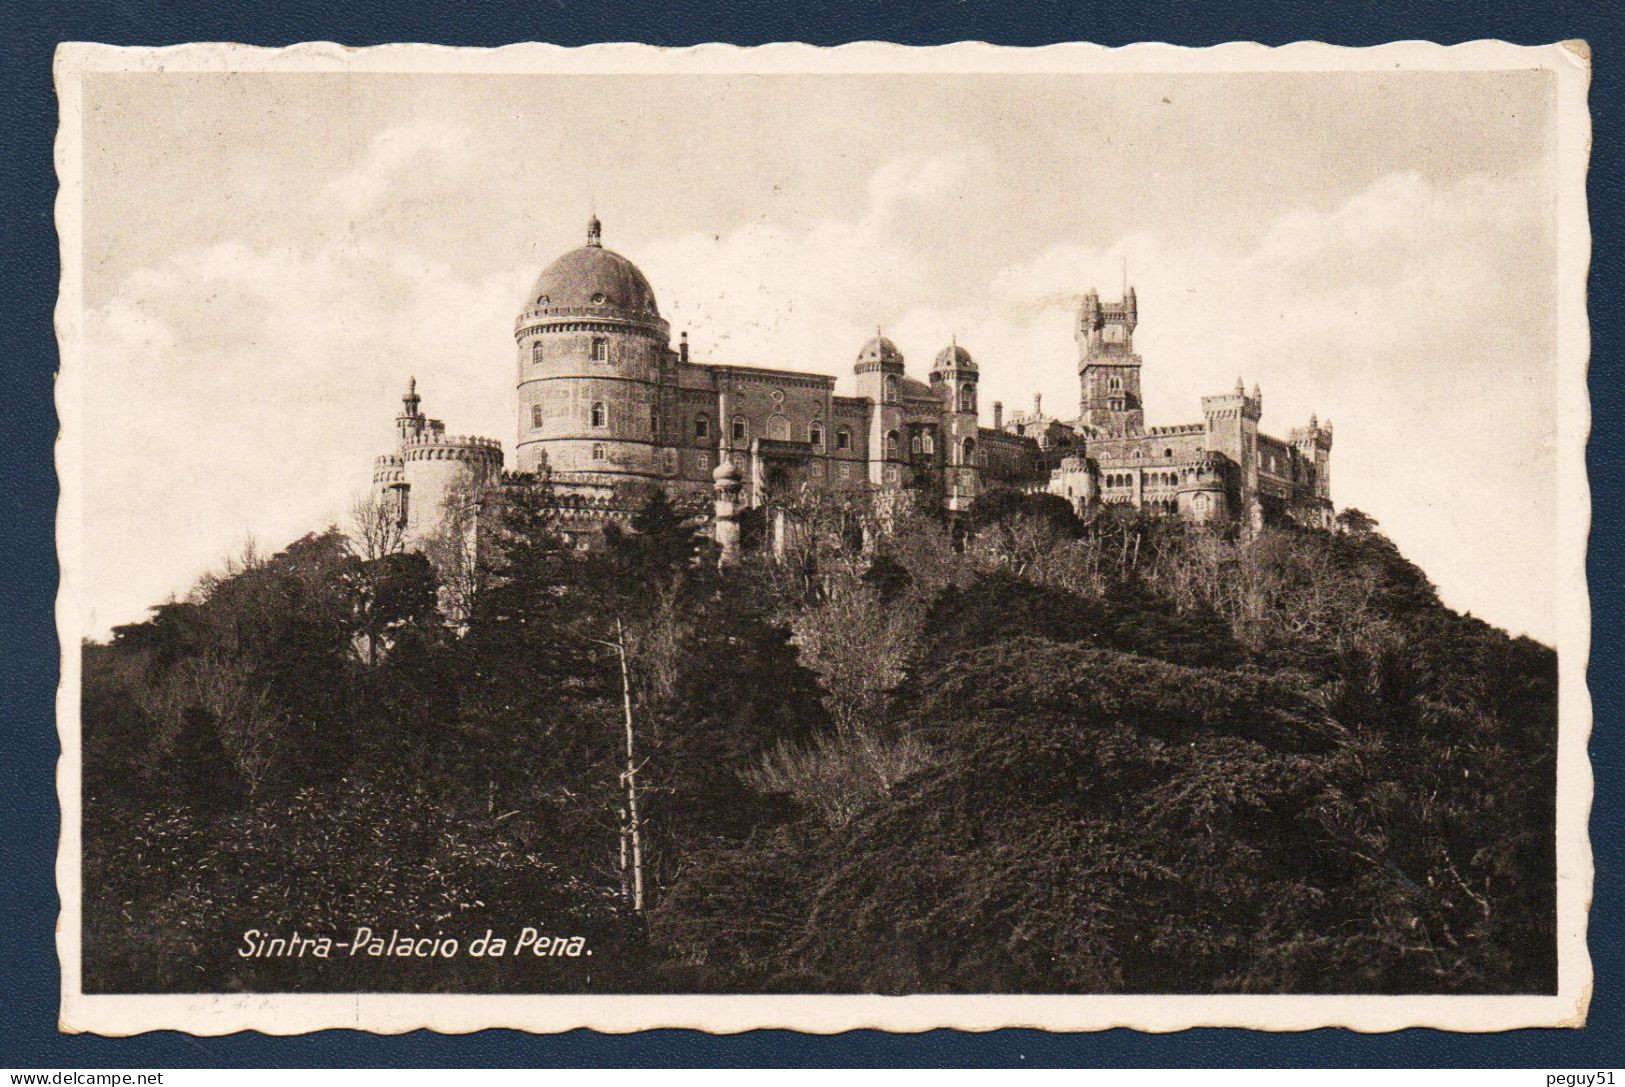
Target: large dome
(594, 278)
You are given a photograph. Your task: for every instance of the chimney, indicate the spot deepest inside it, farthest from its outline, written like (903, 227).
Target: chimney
(998, 415)
(1038, 404)
(682, 348)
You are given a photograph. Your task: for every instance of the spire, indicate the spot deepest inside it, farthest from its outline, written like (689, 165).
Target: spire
(411, 399)
(595, 232)
(1241, 390)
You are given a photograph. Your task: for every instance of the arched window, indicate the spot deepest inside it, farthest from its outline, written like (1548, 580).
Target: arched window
(600, 414)
(891, 445)
(815, 433)
(914, 444)
(928, 444)
(967, 397)
(740, 430)
(1137, 454)
(1167, 452)
(778, 428)
(1115, 384)
(970, 450)
(843, 439)
(536, 416)
(702, 426)
(891, 389)
(600, 349)
(536, 352)
(597, 450)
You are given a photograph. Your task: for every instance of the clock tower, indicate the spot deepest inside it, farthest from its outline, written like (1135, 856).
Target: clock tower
(1108, 368)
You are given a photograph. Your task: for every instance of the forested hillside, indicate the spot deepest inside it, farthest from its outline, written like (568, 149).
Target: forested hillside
(1040, 755)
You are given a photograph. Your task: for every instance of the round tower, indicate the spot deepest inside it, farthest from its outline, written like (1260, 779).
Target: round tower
(592, 349)
(445, 477)
(1203, 490)
(389, 483)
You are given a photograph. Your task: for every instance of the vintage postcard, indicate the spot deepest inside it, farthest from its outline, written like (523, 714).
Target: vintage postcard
(823, 538)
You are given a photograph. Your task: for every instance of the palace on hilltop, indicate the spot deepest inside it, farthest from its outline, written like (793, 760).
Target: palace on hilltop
(608, 408)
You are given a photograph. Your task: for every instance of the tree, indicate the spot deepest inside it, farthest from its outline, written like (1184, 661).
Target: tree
(376, 527)
(1355, 521)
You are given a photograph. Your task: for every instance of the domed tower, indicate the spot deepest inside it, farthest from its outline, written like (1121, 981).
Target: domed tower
(880, 378)
(953, 378)
(592, 350)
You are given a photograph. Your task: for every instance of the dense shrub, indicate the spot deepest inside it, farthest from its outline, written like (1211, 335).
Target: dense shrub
(1055, 754)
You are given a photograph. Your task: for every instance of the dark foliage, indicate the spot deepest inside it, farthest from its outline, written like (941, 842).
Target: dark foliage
(1314, 778)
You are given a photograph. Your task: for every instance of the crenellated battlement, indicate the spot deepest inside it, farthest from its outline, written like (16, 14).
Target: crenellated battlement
(463, 447)
(388, 470)
(1315, 435)
(1233, 405)
(1184, 428)
(1207, 472)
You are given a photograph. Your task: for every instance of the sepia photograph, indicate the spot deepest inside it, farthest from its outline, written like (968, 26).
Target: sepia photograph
(823, 538)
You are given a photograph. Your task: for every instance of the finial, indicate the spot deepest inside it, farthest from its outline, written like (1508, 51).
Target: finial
(595, 232)
(1241, 390)
(1314, 423)
(412, 385)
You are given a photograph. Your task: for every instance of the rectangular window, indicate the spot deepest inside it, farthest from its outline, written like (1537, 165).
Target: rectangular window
(600, 349)
(843, 439)
(739, 430)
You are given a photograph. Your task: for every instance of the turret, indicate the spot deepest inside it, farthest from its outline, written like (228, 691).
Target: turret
(410, 423)
(1314, 446)
(954, 376)
(726, 486)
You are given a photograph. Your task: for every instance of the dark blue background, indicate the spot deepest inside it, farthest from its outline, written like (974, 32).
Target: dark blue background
(28, 281)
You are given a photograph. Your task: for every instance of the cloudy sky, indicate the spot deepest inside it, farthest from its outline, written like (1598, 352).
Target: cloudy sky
(268, 257)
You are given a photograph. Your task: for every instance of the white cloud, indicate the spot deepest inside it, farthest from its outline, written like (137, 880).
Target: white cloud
(400, 161)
